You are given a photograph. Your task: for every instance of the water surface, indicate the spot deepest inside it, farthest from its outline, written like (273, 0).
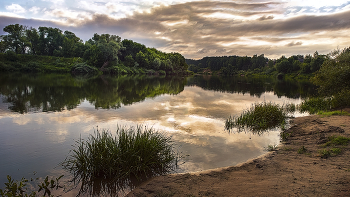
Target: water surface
(41, 116)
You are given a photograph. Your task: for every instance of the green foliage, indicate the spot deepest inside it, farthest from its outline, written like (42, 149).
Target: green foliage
(132, 152)
(334, 74)
(325, 104)
(284, 136)
(337, 140)
(280, 76)
(82, 68)
(31, 63)
(99, 51)
(302, 150)
(261, 116)
(20, 189)
(315, 105)
(11, 56)
(271, 148)
(325, 153)
(284, 66)
(334, 113)
(333, 141)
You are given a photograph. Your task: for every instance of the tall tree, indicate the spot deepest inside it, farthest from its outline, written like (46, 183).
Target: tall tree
(334, 74)
(33, 38)
(16, 39)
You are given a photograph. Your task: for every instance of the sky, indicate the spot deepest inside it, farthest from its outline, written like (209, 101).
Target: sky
(197, 28)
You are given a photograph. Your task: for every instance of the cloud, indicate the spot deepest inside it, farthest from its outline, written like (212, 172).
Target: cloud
(294, 44)
(265, 18)
(34, 10)
(15, 8)
(208, 28)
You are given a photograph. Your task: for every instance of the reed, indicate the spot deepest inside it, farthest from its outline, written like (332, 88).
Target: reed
(315, 105)
(260, 116)
(134, 151)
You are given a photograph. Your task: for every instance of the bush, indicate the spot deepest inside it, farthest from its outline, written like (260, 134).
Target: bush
(33, 66)
(11, 56)
(162, 72)
(83, 68)
(280, 76)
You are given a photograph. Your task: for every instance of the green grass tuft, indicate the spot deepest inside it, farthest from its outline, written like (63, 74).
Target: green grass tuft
(325, 153)
(302, 150)
(271, 148)
(133, 152)
(261, 116)
(337, 140)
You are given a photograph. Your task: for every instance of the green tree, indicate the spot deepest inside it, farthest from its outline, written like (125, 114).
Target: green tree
(50, 40)
(103, 49)
(157, 63)
(284, 66)
(16, 39)
(334, 75)
(33, 37)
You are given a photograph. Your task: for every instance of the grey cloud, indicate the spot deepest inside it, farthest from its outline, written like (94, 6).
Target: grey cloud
(200, 36)
(294, 44)
(266, 18)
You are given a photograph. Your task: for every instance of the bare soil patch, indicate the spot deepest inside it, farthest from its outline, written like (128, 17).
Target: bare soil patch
(283, 172)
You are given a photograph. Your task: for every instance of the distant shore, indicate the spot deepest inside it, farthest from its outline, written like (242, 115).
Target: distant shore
(296, 168)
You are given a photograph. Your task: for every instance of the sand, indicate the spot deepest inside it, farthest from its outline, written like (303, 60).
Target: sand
(283, 172)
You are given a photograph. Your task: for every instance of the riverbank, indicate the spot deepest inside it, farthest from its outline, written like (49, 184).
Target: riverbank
(298, 167)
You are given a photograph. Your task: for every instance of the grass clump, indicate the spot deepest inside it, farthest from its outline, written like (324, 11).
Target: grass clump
(284, 136)
(133, 152)
(315, 105)
(271, 147)
(337, 140)
(302, 150)
(261, 116)
(325, 153)
(333, 113)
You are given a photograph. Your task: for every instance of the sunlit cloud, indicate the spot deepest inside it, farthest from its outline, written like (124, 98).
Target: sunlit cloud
(34, 10)
(200, 28)
(15, 8)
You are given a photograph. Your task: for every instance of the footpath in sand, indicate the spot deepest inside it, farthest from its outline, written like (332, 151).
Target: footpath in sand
(283, 172)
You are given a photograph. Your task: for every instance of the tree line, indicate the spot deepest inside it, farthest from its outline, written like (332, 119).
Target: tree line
(231, 65)
(105, 52)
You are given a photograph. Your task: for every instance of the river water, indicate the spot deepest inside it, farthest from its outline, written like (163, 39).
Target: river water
(41, 116)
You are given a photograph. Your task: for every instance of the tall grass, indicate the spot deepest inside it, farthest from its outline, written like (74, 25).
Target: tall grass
(261, 116)
(132, 152)
(315, 105)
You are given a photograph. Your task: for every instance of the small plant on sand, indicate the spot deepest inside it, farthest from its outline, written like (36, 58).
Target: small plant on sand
(301, 150)
(325, 153)
(132, 152)
(271, 147)
(261, 116)
(284, 136)
(337, 140)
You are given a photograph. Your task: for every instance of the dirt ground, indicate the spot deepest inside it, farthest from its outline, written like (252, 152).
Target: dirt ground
(283, 172)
